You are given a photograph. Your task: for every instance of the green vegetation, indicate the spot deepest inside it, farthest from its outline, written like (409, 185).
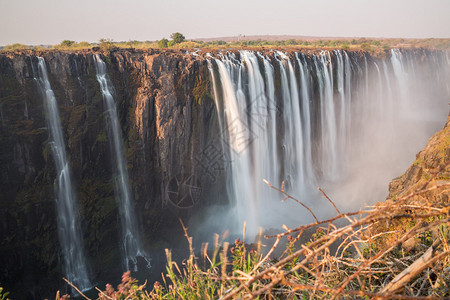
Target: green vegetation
(71, 45)
(177, 37)
(163, 43)
(365, 46)
(15, 47)
(106, 45)
(178, 41)
(67, 43)
(3, 294)
(345, 46)
(363, 259)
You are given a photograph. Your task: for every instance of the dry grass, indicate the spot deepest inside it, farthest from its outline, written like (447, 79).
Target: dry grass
(357, 260)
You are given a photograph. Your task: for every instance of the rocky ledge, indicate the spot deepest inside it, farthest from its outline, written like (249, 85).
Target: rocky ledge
(428, 178)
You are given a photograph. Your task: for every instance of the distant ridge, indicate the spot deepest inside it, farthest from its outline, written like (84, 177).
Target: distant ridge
(272, 38)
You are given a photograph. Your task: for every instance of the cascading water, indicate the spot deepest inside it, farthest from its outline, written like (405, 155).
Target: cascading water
(329, 119)
(67, 213)
(306, 116)
(293, 136)
(328, 145)
(132, 245)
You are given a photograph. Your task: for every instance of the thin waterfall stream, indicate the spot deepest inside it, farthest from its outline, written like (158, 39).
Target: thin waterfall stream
(69, 230)
(132, 244)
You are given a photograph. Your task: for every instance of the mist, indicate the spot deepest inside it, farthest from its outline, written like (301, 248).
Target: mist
(346, 122)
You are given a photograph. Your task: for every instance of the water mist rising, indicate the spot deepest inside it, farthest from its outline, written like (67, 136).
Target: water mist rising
(67, 212)
(132, 245)
(344, 121)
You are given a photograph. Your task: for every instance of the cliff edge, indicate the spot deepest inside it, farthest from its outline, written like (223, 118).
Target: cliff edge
(428, 178)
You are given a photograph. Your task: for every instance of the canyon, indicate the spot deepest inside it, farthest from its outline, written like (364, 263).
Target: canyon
(151, 137)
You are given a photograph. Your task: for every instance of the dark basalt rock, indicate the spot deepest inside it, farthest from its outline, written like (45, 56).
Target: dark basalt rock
(167, 116)
(169, 123)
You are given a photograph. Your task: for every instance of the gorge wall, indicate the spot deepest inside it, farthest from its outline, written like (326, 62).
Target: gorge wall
(166, 113)
(173, 111)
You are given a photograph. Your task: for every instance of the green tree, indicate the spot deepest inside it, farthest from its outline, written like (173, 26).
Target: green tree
(67, 43)
(163, 43)
(177, 37)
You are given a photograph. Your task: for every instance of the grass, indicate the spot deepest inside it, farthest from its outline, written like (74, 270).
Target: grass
(371, 45)
(368, 257)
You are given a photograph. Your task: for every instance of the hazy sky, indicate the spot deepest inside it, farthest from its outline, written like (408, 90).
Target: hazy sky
(51, 21)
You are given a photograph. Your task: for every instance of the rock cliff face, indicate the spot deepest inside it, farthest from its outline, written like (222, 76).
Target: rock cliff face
(430, 171)
(170, 126)
(167, 116)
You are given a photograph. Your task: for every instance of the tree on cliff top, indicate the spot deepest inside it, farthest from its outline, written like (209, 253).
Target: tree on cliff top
(163, 43)
(67, 43)
(177, 37)
(106, 45)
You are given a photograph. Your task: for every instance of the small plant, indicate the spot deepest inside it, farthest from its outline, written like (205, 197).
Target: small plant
(366, 46)
(106, 45)
(163, 43)
(127, 289)
(375, 42)
(345, 46)
(67, 43)
(313, 270)
(16, 46)
(3, 294)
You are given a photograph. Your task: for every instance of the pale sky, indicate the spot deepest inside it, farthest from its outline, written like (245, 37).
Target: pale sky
(52, 21)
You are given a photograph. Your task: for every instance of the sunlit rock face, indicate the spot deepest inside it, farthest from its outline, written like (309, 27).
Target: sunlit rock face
(346, 121)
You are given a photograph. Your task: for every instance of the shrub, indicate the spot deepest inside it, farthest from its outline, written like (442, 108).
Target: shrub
(376, 43)
(360, 260)
(345, 46)
(163, 43)
(106, 45)
(365, 46)
(67, 43)
(16, 46)
(84, 45)
(3, 294)
(291, 42)
(177, 37)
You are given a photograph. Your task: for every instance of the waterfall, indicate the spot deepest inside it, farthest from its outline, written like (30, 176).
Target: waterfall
(293, 135)
(328, 144)
(400, 74)
(341, 120)
(132, 245)
(69, 230)
(306, 117)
